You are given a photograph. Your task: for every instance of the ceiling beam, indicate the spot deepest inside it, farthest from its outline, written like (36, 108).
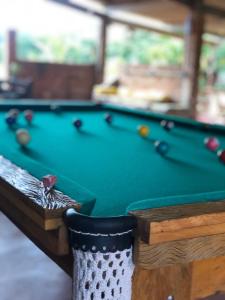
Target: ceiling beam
(211, 39)
(212, 10)
(120, 19)
(121, 2)
(207, 9)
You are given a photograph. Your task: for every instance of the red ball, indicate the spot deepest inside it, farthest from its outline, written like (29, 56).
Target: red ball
(221, 155)
(212, 143)
(28, 114)
(49, 181)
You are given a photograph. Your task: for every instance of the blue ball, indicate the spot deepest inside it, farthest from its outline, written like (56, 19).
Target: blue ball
(77, 123)
(108, 118)
(162, 147)
(10, 120)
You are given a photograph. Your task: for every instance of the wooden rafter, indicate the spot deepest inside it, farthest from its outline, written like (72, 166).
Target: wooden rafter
(207, 8)
(119, 19)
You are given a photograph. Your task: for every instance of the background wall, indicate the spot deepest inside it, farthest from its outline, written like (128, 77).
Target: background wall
(58, 81)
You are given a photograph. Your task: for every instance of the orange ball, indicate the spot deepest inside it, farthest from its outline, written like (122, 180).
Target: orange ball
(143, 130)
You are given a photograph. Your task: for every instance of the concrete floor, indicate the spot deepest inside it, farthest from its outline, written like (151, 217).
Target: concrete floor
(26, 273)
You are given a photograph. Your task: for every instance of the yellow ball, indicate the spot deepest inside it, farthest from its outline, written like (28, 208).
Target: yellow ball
(23, 137)
(143, 130)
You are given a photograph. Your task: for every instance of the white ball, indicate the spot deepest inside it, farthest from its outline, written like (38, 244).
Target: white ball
(23, 137)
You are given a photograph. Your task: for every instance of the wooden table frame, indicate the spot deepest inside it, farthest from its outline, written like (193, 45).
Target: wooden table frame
(174, 247)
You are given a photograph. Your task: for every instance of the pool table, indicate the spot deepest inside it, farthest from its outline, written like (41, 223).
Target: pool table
(125, 221)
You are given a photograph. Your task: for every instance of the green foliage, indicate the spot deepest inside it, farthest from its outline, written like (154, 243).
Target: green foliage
(220, 57)
(147, 48)
(60, 49)
(139, 46)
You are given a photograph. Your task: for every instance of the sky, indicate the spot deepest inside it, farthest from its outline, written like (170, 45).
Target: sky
(42, 16)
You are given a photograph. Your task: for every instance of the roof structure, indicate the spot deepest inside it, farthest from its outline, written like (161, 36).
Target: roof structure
(175, 12)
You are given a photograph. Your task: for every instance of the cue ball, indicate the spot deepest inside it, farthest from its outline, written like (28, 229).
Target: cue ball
(143, 130)
(28, 115)
(108, 118)
(167, 125)
(161, 147)
(55, 108)
(212, 143)
(221, 155)
(23, 137)
(77, 123)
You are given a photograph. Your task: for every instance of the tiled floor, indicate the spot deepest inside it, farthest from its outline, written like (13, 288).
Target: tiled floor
(25, 272)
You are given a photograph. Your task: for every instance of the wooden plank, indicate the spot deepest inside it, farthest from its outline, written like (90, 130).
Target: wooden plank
(26, 193)
(208, 277)
(18, 201)
(203, 279)
(179, 216)
(187, 233)
(186, 228)
(54, 241)
(178, 252)
(160, 283)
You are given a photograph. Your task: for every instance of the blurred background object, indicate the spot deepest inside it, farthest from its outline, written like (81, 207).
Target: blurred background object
(167, 55)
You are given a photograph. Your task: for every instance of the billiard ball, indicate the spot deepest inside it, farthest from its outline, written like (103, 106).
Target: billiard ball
(167, 125)
(221, 155)
(49, 181)
(28, 115)
(55, 108)
(10, 120)
(14, 112)
(77, 123)
(23, 137)
(211, 143)
(143, 130)
(161, 147)
(108, 118)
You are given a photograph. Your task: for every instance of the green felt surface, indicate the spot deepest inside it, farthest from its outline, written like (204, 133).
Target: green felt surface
(110, 168)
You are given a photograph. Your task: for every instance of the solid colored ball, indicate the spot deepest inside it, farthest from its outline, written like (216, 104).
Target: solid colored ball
(221, 155)
(162, 147)
(77, 123)
(28, 115)
(55, 108)
(167, 125)
(108, 118)
(10, 120)
(143, 130)
(212, 143)
(23, 137)
(14, 112)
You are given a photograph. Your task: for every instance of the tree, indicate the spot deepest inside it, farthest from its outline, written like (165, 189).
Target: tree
(59, 49)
